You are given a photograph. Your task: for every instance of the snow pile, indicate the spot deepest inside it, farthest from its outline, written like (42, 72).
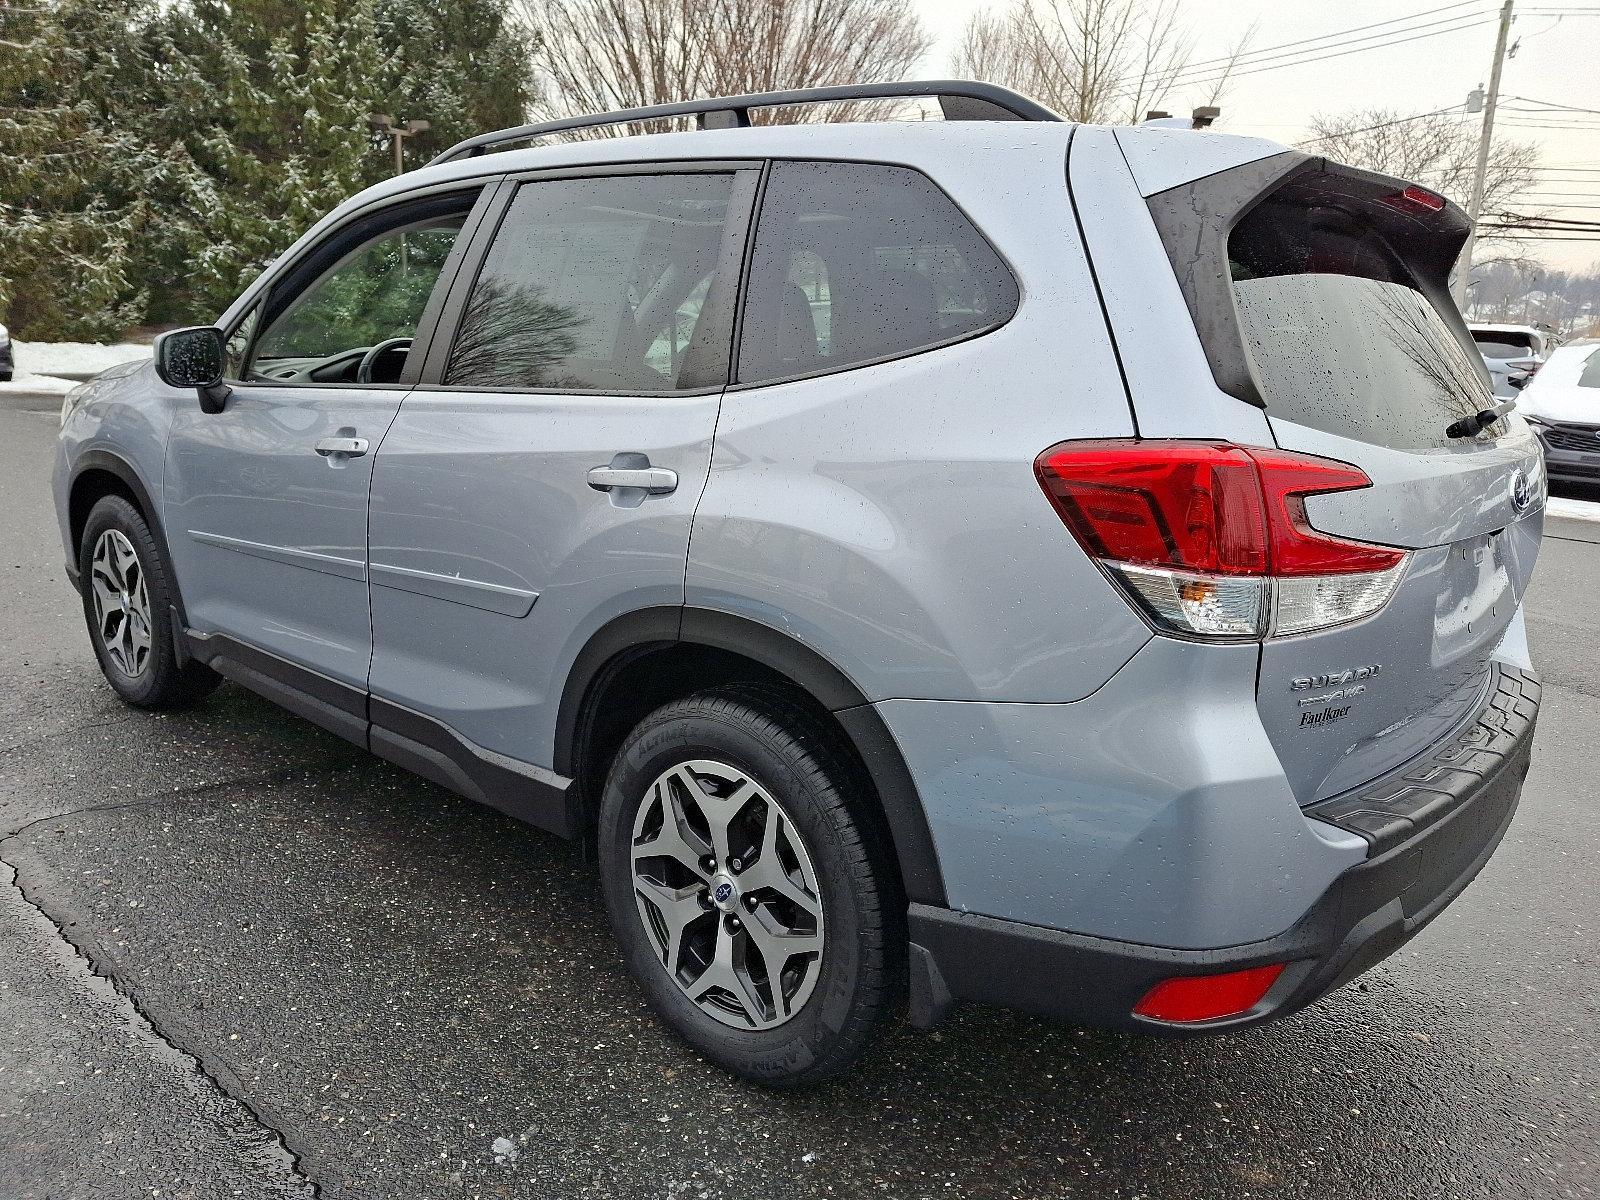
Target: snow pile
(55, 368)
(74, 360)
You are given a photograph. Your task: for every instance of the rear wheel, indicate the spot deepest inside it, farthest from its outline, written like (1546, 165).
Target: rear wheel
(750, 902)
(127, 594)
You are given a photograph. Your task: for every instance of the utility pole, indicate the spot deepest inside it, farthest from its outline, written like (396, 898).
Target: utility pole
(1475, 203)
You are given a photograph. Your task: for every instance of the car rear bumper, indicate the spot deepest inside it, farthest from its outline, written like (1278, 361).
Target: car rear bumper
(1431, 827)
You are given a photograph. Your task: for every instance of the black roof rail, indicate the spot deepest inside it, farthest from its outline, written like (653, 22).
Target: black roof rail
(960, 99)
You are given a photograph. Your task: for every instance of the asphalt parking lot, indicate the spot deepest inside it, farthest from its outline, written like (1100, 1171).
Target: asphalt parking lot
(240, 958)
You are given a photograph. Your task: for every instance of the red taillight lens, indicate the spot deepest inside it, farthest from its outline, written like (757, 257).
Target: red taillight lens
(1186, 526)
(1296, 548)
(1166, 504)
(1208, 997)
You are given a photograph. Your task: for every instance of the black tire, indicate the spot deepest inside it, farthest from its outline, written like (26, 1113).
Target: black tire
(158, 682)
(794, 756)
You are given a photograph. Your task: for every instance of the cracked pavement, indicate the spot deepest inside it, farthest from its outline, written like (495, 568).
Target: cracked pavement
(239, 957)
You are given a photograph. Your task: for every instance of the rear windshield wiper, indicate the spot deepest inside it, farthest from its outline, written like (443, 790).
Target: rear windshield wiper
(1479, 421)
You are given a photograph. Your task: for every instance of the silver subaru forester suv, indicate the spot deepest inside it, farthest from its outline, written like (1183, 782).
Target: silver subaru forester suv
(1070, 568)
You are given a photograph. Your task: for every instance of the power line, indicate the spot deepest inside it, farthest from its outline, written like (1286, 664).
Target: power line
(1540, 237)
(1328, 137)
(1253, 58)
(1183, 80)
(1323, 37)
(1553, 104)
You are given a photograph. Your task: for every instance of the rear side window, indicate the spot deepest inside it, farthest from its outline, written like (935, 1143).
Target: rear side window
(1498, 344)
(859, 262)
(1338, 333)
(595, 284)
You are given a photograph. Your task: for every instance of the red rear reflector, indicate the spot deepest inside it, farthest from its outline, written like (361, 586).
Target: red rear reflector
(1208, 997)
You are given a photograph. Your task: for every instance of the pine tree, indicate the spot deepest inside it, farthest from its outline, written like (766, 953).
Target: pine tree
(79, 186)
(155, 156)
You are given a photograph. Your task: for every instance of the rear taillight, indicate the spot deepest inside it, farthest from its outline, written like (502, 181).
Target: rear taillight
(1212, 540)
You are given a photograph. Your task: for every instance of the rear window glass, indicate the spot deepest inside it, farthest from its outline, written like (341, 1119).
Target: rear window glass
(859, 262)
(1591, 371)
(1339, 338)
(1502, 345)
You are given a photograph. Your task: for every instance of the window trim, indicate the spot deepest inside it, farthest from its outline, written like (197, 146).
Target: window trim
(258, 297)
(727, 292)
(739, 385)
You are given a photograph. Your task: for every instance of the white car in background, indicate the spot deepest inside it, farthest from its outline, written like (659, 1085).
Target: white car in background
(1562, 404)
(1512, 353)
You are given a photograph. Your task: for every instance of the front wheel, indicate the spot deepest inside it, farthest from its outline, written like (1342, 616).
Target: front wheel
(127, 594)
(751, 903)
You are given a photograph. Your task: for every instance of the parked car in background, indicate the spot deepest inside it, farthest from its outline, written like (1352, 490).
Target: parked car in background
(1562, 404)
(724, 500)
(7, 361)
(1513, 353)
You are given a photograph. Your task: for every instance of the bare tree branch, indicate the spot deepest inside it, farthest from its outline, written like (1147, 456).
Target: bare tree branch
(608, 54)
(1090, 60)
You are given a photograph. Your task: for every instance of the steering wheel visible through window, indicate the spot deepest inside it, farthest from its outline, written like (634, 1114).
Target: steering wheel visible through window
(355, 320)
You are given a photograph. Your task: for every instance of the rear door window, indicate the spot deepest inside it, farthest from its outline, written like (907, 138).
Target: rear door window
(855, 263)
(1338, 334)
(595, 285)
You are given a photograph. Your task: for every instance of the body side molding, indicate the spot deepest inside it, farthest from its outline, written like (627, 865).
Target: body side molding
(474, 593)
(331, 564)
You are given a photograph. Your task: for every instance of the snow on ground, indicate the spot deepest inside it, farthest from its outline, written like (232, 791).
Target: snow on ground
(1567, 506)
(68, 360)
(54, 368)
(25, 384)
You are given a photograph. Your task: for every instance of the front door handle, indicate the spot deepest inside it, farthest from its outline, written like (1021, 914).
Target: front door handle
(349, 447)
(657, 481)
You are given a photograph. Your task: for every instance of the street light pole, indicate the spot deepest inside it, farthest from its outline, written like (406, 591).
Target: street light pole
(397, 134)
(1481, 170)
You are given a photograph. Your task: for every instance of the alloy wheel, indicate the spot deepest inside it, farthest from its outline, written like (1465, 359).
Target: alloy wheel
(121, 602)
(728, 895)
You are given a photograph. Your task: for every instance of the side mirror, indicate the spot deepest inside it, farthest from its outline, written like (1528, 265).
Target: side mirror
(194, 357)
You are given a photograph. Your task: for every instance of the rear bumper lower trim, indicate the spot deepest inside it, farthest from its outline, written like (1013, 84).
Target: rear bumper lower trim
(1367, 914)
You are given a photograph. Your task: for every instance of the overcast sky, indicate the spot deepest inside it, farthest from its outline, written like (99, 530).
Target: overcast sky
(1558, 60)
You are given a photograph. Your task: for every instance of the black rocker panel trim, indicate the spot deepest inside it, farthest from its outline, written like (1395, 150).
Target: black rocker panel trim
(337, 707)
(419, 743)
(435, 751)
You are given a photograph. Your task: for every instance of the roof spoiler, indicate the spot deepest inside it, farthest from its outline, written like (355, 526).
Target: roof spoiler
(960, 100)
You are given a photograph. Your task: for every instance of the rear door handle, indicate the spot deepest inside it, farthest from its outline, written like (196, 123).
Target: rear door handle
(657, 481)
(350, 447)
